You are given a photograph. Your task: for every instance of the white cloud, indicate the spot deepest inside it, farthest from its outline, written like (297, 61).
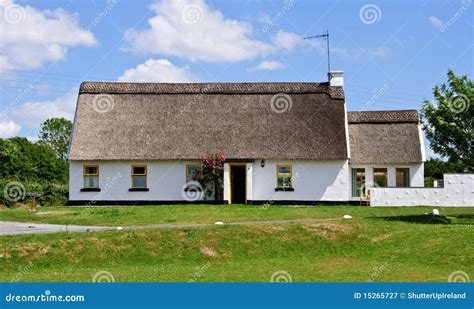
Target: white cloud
(436, 22)
(193, 30)
(379, 52)
(264, 18)
(9, 129)
(31, 37)
(286, 40)
(268, 66)
(355, 53)
(157, 70)
(32, 114)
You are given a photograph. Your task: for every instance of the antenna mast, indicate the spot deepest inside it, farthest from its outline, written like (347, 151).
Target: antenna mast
(325, 35)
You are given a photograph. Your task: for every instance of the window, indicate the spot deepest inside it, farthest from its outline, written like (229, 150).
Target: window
(193, 171)
(91, 176)
(138, 176)
(284, 174)
(403, 177)
(358, 182)
(380, 177)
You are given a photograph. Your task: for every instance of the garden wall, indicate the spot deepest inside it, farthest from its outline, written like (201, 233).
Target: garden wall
(458, 191)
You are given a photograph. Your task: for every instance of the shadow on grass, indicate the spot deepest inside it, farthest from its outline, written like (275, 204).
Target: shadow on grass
(430, 219)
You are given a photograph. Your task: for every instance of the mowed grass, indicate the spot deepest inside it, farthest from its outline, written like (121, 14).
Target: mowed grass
(378, 244)
(148, 215)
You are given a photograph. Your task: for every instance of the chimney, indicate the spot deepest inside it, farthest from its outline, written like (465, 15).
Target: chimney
(336, 78)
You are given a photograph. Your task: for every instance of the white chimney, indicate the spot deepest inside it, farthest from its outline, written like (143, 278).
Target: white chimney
(336, 78)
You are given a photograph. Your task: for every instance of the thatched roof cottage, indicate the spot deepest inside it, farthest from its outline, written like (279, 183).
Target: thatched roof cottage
(139, 143)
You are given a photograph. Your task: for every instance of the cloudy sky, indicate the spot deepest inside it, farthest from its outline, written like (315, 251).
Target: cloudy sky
(392, 52)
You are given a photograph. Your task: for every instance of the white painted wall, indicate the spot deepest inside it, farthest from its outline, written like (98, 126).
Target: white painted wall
(416, 174)
(312, 181)
(166, 180)
(458, 191)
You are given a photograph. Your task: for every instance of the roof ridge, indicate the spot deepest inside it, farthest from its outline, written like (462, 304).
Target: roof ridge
(210, 88)
(384, 116)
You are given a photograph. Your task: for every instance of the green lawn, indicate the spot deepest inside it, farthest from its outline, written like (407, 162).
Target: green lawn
(378, 244)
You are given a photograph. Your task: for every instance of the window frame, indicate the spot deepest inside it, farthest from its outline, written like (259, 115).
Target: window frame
(139, 175)
(290, 175)
(192, 165)
(85, 174)
(407, 177)
(361, 190)
(386, 176)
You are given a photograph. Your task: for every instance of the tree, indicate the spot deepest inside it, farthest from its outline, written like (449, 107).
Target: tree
(25, 161)
(213, 173)
(56, 132)
(448, 125)
(435, 168)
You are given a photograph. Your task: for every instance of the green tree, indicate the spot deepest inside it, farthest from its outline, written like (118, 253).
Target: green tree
(448, 124)
(56, 132)
(435, 168)
(25, 161)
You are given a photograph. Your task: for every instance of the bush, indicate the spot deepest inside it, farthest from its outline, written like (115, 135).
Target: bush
(429, 182)
(14, 191)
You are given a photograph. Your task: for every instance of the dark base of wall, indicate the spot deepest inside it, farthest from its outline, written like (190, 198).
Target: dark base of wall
(141, 203)
(308, 203)
(250, 202)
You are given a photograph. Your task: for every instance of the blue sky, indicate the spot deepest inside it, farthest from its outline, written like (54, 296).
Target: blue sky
(392, 52)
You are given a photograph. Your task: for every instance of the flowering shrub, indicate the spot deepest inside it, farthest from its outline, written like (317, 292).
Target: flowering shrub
(212, 175)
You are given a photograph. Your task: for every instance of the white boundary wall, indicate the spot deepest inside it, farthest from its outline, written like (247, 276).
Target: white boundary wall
(458, 191)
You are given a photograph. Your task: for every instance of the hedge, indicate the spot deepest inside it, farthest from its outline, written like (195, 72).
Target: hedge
(14, 191)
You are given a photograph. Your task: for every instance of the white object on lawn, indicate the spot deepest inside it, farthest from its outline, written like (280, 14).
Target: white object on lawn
(347, 217)
(219, 223)
(435, 212)
(119, 228)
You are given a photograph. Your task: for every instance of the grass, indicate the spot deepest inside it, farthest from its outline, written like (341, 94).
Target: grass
(378, 244)
(146, 215)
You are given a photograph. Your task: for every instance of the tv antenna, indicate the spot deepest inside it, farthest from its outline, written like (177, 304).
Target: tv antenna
(325, 35)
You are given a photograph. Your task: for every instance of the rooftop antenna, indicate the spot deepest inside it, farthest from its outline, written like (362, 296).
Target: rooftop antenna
(325, 35)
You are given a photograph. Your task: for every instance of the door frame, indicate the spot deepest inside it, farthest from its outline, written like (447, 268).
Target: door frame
(230, 180)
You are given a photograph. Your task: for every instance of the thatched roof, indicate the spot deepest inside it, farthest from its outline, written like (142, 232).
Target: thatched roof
(156, 121)
(384, 137)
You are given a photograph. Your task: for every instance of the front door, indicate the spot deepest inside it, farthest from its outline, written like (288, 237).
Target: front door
(238, 189)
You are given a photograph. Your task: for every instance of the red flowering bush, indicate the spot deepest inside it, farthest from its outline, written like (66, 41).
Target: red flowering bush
(212, 174)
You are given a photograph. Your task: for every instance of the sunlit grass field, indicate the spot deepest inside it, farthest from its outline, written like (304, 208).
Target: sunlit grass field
(377, 244)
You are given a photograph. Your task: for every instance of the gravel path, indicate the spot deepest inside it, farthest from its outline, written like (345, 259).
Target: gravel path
(16, 228)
